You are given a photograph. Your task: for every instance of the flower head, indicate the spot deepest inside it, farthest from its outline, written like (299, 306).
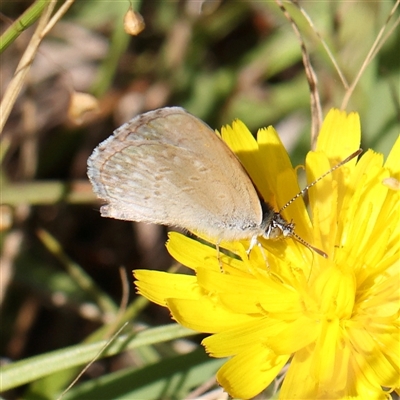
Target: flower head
(336, 319)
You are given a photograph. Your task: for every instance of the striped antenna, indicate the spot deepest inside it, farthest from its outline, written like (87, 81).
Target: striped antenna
(290, 226)
(346, 160)
(308, 245)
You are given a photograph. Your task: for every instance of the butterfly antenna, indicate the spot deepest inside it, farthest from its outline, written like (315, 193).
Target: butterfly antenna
(293, 234)
(346, 160)
(308, 245)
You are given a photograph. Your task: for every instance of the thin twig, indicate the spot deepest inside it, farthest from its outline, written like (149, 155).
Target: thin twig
(57, 16)
(324, 44)
(371, 54)
(44, 25)
(316, 112)
(115, 336)
(123, 303)
(23, 67)
(386, 37)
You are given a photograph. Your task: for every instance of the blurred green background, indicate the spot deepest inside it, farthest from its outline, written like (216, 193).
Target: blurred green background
(220, 60)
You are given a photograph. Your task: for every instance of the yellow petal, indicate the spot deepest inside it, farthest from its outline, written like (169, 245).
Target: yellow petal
(293, 336)
(249, 294)
(323, 202)
(239, 338)
(360, 385)
(298, 383)
(286, 189)
(275, 161)
(362, 215)
(157, 286)
(192, 253)
(303, 382)
(204, 315)
(263, 159)
(392, 162)
(326, 353)
(247, 374)
(340, 135)
(376, 366)
(242, 143)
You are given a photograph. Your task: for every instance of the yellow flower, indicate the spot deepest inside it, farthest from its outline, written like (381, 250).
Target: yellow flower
(336, 319)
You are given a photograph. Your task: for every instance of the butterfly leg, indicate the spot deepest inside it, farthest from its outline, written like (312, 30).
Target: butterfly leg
(218, 256)
(254, 241)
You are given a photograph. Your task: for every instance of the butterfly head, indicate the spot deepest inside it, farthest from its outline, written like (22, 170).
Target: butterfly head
(275, 227)
(278, 227)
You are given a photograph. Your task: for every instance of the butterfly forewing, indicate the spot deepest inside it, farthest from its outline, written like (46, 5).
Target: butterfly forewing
(167, 166)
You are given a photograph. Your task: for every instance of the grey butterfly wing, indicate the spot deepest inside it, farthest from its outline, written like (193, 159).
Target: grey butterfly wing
(168, 167)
